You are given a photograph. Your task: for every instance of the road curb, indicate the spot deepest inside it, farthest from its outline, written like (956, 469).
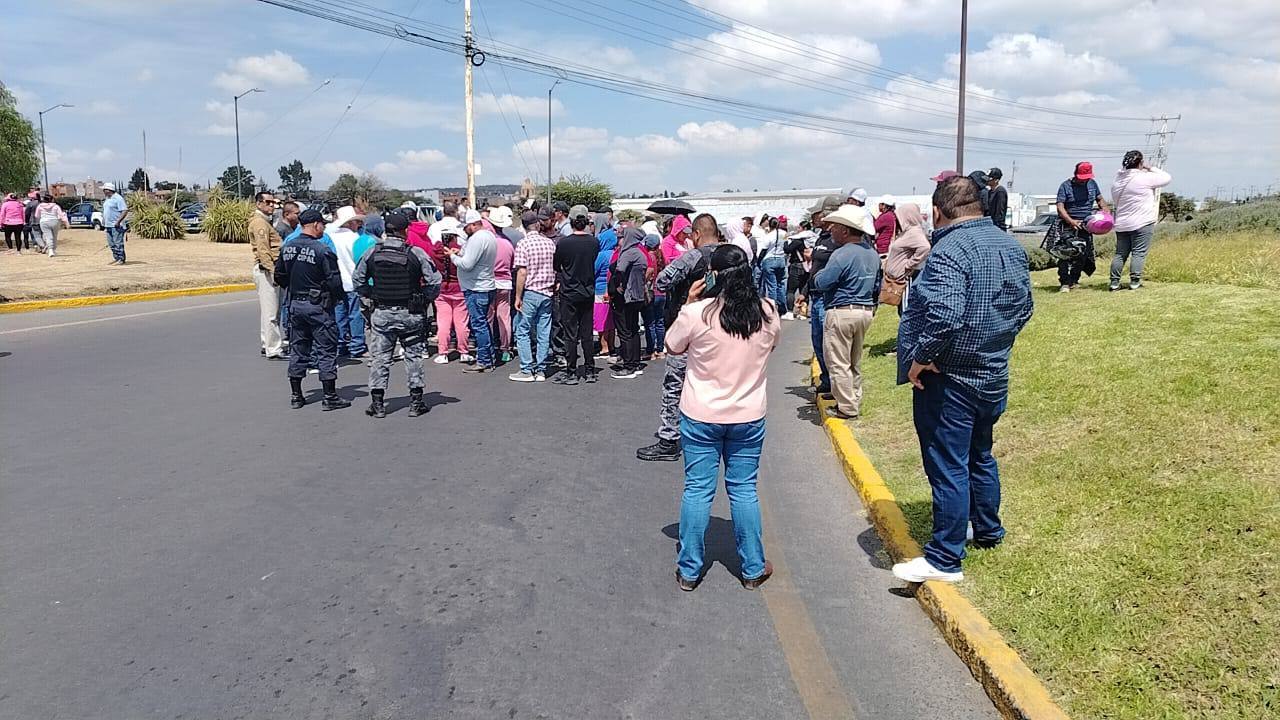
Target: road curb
(1016, 692)
(88, 300)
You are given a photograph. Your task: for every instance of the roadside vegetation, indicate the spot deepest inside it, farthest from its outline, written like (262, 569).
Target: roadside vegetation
(227, 219)
(1140, 459)
(154, 219)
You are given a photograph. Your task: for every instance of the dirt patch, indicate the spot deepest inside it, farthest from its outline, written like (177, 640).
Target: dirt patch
(82, 267)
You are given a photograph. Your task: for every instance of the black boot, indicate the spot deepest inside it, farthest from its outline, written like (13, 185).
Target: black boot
(331, 400)
(417, 405)
(296, 400)
(377, 408)
(663, 450)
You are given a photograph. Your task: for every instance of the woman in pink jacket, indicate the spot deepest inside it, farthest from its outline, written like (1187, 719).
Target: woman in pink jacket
(50, 218)
(12, 220)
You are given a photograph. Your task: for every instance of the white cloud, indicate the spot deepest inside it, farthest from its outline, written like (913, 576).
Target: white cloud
(489, 104)
(104, 107)
(104, 155)
(416, 168)
(144, 75)
(326, 172)
(224, 118)
(1249, 74)
(275, 69)
(742, 57)
(1026, 61)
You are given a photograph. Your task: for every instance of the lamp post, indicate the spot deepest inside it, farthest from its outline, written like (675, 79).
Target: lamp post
(553, 87)
(44, 161)
(240, 168)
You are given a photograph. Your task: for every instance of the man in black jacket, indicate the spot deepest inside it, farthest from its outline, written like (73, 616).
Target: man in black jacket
(997, 198)
(309, 268)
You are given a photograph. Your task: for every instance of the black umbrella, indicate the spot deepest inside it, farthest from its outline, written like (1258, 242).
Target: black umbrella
(672, 207)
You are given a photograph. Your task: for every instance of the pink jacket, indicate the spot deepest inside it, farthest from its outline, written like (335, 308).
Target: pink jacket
(13, 213)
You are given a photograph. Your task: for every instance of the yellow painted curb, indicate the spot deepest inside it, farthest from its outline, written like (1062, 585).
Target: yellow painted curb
(87, 300)
(1016, 692)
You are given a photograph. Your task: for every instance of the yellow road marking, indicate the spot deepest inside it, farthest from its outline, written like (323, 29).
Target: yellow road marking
(124, 317)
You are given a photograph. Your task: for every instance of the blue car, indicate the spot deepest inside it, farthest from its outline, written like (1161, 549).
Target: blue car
(85, 215)
(193, 216)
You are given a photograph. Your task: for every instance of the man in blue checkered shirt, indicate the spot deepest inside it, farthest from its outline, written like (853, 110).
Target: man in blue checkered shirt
(965, 309)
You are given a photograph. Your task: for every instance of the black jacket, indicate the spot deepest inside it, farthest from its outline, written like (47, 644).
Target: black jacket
(998, 201)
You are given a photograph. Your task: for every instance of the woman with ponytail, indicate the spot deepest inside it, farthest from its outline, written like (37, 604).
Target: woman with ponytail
(727, 331)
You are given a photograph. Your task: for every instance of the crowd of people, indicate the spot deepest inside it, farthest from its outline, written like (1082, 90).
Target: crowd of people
(554, 287)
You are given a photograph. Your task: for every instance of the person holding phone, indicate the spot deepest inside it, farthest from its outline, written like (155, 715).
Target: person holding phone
(726, 332)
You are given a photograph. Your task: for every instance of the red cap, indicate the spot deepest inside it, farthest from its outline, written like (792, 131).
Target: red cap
(1084, 171)
(945, 175)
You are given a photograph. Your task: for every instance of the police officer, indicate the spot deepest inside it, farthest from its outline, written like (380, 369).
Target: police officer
(309, 268)
(397, 281)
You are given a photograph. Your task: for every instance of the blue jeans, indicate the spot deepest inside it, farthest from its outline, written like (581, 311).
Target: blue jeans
(706, 445)
(655, 325)
(774, 270)
(535, 312)
(350, 325)
(955, 431)
(478, 317)
(818, 316)
(115, 240)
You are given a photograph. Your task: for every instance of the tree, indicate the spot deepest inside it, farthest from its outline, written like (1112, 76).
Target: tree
(1175, 207)
(229, 181)
(20, 150)
(365, 192)
(580, 190)
(295, 180)
(139, 180)
(168, 185)
(343, 190)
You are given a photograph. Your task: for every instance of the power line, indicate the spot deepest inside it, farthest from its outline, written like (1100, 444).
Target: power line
(512, 93)
(514, 141)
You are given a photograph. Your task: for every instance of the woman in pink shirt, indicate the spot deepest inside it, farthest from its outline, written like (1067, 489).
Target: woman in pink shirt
(13, 218)
(726, 338)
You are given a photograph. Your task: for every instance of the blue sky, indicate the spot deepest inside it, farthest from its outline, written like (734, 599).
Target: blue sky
(171, 68)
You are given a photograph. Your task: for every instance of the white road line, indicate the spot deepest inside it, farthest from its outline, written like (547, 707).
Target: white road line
(125, 317)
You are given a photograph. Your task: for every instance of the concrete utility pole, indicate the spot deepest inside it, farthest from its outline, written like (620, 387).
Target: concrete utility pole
(553, 87)
(1013, 173)
(471, 128)
(146, 176)
(44, 161)
(964, 62)
(235, 102)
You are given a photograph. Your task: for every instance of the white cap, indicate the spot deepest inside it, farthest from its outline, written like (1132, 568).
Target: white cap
(471, 216)
(109, 186)
(889, 200)
(859, 194)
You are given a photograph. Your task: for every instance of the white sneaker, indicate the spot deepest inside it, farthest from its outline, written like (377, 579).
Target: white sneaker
(539, 377)
(465, 358)
(919, 570)
(788, 316)
(522, 377)
(1064, 289)
(441, 359)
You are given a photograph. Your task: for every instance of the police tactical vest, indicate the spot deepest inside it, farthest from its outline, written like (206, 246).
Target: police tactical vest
(397, 275)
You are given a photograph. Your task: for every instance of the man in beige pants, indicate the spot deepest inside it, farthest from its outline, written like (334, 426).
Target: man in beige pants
(265, 242)
(850, 284)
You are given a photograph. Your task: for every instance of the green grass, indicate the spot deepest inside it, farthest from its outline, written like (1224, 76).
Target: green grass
(1247, 258)
(1140, 458)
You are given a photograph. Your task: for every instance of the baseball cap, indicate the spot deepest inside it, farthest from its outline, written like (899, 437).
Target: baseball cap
(995, 173)
(859, 194)
(827, 203)
(944, 175)
(888, 200)
(471, 217)
(310, 215)
(109, 186)
(561, 206)
(579, 211)
(545, 213)
(1084, 171)
(397, 221)
(528, 217)
(782, 219)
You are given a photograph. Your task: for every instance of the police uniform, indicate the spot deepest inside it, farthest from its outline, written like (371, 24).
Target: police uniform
(310, 270)
(398, 281)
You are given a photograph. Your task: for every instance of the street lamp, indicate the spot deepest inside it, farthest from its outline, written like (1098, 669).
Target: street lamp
(44, 161)
(240, 168)
(553, 87)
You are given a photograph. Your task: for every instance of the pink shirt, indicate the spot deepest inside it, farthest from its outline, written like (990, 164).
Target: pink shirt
(1134, 196)
(13, 213)
(726, 378)
(502, 263)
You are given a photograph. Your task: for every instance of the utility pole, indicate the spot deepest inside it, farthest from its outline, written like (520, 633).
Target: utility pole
(964, 61)
(553, 87)
(471, 128)
(1163, 135)
(146, 175)
(44, 161)
(1013, 173)
(240, 168)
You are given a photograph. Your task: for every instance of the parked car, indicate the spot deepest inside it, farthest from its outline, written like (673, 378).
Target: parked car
(193, 216)
(1034, 230)
(85, 214)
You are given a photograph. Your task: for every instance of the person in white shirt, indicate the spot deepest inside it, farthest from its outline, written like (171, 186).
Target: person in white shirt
(1134, 195)
(475, 263)
(343, 231)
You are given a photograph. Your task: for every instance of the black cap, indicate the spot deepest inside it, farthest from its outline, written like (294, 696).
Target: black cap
(310, 215)
(528, 217)
(397, 221)
(544, 213)
(561, 206)
(995, 173)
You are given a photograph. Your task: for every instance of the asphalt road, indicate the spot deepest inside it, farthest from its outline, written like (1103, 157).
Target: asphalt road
(175, 542)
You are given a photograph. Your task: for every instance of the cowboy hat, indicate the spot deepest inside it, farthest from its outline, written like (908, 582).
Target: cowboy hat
(851, 216)
(346, 214)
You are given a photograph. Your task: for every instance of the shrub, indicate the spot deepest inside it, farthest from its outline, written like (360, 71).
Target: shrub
(152, 219)
(226, 219)
(1259, 216)
(629, 215)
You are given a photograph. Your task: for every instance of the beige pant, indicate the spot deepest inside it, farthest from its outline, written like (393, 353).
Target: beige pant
(842, 336)
(268, 312)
